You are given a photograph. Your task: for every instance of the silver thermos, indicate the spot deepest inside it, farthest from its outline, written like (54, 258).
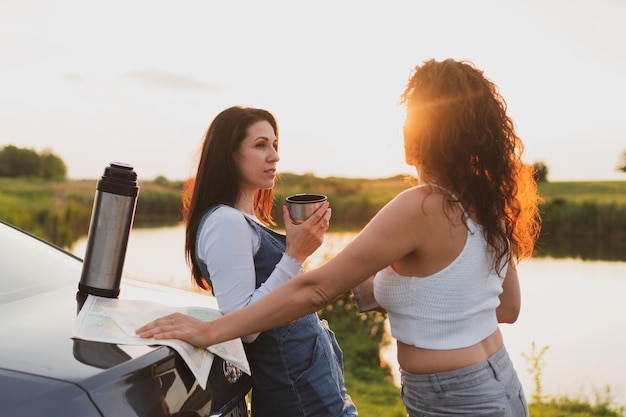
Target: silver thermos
(111, 220)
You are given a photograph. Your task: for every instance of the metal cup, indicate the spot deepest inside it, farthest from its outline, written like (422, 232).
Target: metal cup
(364, 295)
(301, 206)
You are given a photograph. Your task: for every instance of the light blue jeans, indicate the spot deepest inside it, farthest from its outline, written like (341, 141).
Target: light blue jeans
(488, 389)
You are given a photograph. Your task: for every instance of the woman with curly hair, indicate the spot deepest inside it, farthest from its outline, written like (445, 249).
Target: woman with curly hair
(444, 253)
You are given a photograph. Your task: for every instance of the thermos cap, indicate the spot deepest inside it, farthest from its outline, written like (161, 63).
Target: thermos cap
(120, 171)
(119, 178)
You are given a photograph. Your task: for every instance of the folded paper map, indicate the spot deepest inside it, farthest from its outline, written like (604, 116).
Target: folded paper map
(113, 320)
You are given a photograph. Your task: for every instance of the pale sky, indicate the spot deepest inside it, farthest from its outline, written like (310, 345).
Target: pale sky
(140, 81)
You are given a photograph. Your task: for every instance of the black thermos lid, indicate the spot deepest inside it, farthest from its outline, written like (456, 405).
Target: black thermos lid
(119, 178)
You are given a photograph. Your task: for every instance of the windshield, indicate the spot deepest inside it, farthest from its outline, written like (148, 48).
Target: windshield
(30, 266)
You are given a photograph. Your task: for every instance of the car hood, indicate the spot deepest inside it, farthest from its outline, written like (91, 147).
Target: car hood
(37, 331)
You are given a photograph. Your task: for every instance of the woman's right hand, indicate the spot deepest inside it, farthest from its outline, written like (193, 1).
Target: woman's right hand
(304, 239)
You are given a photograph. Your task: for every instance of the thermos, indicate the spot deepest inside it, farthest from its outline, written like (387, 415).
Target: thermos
(111, 220)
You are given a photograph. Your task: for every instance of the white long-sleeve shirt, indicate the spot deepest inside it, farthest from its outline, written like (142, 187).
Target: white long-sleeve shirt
(227, 244)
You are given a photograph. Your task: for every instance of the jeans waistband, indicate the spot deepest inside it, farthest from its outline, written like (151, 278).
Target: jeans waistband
(492, 367)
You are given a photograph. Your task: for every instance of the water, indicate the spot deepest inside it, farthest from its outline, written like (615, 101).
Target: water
(576, 308)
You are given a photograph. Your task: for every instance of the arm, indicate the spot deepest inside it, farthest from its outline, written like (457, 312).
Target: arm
(510, 299)
(380, 243)
(227, 244)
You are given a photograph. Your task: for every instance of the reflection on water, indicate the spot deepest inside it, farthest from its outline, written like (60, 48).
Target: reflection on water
(585, 249)
(576, 308)
(573, 302)
(155, 255)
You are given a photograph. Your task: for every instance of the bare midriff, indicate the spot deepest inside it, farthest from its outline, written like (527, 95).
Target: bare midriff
(417, 360)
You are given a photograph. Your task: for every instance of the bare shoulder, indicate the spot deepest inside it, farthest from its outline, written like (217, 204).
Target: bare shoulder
(419, 201)
(422, 213)
(413, 209)
(398, 230)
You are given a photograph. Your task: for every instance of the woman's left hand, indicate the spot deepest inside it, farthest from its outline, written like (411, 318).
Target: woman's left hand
(304, 239)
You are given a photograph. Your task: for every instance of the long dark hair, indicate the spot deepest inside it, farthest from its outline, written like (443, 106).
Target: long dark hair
(457, 129)
(218, 179)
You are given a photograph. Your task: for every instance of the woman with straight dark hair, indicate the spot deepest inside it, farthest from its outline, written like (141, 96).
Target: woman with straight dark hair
(297, 368)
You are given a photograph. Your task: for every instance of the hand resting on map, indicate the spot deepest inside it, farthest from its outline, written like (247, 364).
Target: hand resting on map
(177, 326)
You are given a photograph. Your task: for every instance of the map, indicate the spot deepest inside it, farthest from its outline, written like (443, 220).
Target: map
(112, 320)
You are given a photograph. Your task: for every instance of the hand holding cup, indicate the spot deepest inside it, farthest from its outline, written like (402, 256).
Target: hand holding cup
(301, 206)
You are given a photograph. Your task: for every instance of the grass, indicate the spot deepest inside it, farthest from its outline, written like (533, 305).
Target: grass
(579, 191)
(542, 405)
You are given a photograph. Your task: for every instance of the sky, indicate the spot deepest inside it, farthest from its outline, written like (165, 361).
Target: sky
(139, 81)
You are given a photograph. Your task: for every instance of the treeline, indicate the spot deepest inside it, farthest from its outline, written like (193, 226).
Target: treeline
(23, 162)
(60, 211)
(583, 219)
(573, 212)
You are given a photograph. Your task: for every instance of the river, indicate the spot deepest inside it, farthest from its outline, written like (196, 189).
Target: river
(577, 308)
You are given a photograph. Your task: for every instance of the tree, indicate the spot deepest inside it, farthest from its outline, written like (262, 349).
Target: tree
(540, 171)
(621, 164)
(22, 162)
(51, 166)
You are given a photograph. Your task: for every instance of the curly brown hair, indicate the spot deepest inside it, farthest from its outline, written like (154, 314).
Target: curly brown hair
(457, 129)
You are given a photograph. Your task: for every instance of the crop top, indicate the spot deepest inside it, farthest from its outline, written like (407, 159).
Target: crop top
(451, 309)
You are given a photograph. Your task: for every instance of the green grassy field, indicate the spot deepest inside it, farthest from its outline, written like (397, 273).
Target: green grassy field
(600, 191)
(60, 210)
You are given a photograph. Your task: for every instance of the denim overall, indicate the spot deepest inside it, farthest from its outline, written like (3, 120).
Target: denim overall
(297, 369)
